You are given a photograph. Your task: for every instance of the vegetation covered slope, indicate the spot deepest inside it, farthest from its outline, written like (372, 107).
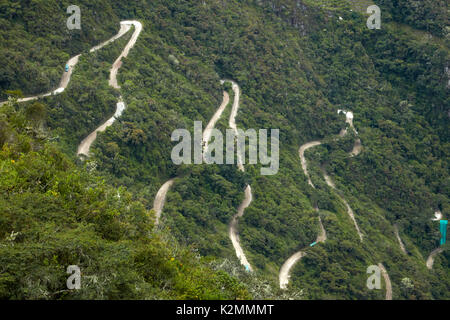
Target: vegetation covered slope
(55, 214)
(35, 41)
(297, 63)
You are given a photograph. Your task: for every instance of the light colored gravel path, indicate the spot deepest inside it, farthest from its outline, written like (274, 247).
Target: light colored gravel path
(85, 145)
(124, 28)
(233, 230)
(158, 203)
(400, 242)
(430, 260)
(357, 148)
(125, 51)
(286, 268)
(284, 274)
(301, 153)
(160, 199)
(349, 209)
(72, 62)
(213, 121)
(387, 282)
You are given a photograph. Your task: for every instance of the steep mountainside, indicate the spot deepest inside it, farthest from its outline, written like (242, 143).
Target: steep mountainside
(296, 64)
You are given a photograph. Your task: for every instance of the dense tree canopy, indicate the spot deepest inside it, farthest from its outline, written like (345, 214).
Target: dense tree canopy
(297, 63)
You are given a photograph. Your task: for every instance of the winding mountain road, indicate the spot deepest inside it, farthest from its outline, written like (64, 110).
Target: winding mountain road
(160, 199)
(65, 79)
(125, 51)
(233, 231)
(285, 270)
(284, 274)
(356, 150)
(430, 260)
(162, 192)
(301, 153)
(387, 281)
(158, 203)
(211, 124)
(85, 145)
(287, 266)
(125, 26)
(72, 62)
(350, 212)
(400, 242)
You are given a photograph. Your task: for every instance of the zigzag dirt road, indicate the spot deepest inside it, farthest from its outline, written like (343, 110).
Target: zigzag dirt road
(284, 274)
(85, 145)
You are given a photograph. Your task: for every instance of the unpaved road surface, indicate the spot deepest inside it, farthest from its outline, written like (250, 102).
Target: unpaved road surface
(160, 199)
(158, 203)
(85, 145)
(125, 51)
(357, 148)
(287, 266)
(301, 153)
(213, 121)
(65, 78)
(232, 121)
(292, 260)
(233, 232)
(322, 236)
(400, 242)
(349, 209)
(124, 28)
(234, 235)
(430, 260)
(83, 148)
(387, 282)
(285, 270)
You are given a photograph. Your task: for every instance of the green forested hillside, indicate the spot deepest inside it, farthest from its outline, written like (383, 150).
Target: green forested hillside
(36, 42)
(55, 214)
(297, 63)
